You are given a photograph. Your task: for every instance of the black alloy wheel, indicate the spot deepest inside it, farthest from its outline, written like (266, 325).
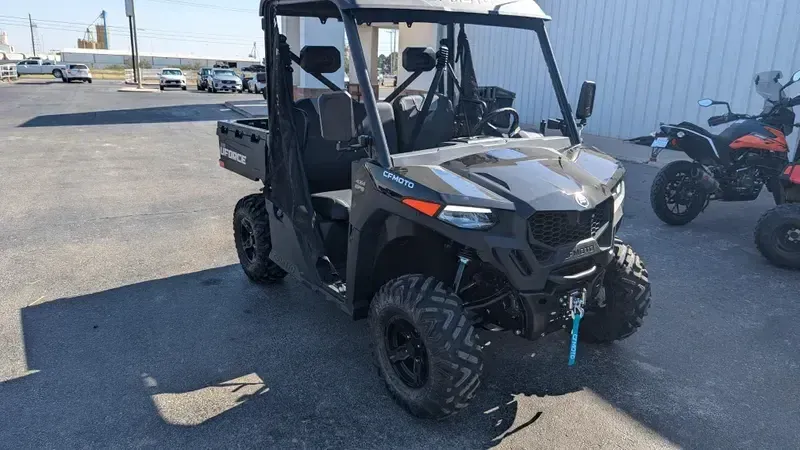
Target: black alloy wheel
(675, 196)
(407, 353)
(248, 240)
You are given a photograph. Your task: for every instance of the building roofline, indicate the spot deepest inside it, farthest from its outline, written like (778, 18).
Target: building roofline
(93, 51)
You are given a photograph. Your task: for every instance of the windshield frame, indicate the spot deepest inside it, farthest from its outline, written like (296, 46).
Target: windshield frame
(227, 72)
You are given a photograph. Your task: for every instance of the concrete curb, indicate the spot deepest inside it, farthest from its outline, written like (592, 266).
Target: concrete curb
(142, 90)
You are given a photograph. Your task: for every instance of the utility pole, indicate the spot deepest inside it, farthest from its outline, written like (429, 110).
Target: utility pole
(130, 12)
(33, 43)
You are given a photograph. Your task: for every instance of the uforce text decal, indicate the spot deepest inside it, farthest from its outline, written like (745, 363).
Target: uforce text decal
(398, 179)
(228, 153)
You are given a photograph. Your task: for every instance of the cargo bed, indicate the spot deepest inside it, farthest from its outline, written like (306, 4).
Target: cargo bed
(243, 145)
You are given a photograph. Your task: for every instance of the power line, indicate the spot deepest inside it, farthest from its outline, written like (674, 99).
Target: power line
(204, 5)
(124, 28)
(141, 34)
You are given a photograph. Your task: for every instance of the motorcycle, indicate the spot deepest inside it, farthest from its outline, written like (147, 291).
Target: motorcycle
(733, 165)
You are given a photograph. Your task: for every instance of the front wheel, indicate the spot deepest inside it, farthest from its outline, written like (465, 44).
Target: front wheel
(777, 235)
(253, 240)
(675, 196)
(626, 300)
(427, 350)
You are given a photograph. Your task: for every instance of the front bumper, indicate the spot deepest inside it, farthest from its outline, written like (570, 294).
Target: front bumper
(228, 87)
(173, 83)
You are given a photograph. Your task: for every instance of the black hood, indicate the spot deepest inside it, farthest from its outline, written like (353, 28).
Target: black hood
(524, 176)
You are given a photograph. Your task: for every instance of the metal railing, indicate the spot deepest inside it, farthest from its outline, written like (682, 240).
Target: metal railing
(8, 72)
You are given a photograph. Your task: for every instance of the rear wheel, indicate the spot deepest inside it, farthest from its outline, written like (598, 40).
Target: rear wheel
(57, 73)
(253, 241)
(777, 235)
(627, 298)
(675, 196)
(161, 88)
(427, 350)
(89, 81)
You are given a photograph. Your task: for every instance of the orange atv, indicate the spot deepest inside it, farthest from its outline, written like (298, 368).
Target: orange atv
(778, 230)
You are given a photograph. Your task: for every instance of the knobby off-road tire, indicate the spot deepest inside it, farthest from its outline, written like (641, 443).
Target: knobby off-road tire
(770, 235)
(627, 299)
(253, 242)
(658, 190)
(451, 347)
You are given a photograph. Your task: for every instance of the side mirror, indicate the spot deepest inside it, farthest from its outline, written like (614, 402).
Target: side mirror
(796, 77)
(705, 102)
(336, 117)
(586, 100)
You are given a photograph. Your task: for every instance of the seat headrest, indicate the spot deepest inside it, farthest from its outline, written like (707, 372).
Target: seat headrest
(320, 59)
(419, 59)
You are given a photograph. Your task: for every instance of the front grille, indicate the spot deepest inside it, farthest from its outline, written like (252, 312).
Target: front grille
(228, 82)
(557, 228)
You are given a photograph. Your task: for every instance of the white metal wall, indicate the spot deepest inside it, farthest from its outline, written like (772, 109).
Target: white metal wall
(652, 59)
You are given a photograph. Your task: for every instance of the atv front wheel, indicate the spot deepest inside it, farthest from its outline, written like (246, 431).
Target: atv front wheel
(675, 197)
(627, 298)
(777, 235)
(427, 351)
(253, 242)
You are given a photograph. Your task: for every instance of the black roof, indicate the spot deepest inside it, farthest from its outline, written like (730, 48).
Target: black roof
(491, 12)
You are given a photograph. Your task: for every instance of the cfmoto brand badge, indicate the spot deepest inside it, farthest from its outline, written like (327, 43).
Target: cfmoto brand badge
(398, 179)
(582, 200)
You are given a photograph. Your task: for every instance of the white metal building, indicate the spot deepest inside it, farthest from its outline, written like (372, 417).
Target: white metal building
(99, 59)
(652, 59)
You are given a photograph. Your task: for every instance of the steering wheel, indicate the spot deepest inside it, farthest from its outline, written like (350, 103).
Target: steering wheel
(485, 122)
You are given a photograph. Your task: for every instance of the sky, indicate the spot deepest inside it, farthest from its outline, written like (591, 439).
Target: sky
(211, 28)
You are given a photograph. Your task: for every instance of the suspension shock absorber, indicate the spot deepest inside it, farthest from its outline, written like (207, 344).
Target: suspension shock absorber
(465, 256)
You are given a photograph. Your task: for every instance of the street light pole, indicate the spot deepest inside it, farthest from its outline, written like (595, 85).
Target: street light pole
(131, 13)
(33, 42)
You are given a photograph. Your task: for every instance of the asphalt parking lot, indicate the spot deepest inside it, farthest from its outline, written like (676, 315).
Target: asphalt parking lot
(125, 320)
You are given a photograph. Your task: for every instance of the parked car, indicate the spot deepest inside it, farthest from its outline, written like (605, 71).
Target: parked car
(202, 78)
(77, 72)
(258, 83)
(224, 80)
(171, 77)
(40, 66)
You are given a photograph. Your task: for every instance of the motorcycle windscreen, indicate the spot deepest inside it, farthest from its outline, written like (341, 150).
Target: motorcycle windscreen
(296, 243)
(768, 86)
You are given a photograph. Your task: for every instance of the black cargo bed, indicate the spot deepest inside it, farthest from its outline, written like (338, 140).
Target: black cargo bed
(243, 145)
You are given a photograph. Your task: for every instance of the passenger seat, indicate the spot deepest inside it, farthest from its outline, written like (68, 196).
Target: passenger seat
(438, 126)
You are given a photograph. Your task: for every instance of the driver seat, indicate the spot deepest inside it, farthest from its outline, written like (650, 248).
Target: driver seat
(437, 127)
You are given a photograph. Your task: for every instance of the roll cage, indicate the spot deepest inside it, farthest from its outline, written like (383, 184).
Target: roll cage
(523, 14)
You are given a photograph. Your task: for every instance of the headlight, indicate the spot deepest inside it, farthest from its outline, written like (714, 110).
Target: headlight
(618, 193)
(468, 217)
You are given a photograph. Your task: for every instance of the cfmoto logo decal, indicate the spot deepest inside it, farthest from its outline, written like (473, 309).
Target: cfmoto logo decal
(582, 200)
(398, 179)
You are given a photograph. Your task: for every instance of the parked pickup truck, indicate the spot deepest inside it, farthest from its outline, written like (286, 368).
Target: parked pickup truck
(40, 66)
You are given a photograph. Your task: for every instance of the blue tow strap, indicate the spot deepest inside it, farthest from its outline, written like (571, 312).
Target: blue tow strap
(573, 345)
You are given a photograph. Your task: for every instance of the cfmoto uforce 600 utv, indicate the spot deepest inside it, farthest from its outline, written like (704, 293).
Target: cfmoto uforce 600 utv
(434, 216)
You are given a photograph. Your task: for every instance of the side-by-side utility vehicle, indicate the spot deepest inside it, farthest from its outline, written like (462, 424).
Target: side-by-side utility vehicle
(433, 216)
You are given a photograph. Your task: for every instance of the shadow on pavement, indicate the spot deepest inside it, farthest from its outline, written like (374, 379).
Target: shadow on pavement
(209, 359)
(157, 114)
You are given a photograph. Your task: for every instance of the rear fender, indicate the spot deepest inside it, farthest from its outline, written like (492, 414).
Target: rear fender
(696, 145)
